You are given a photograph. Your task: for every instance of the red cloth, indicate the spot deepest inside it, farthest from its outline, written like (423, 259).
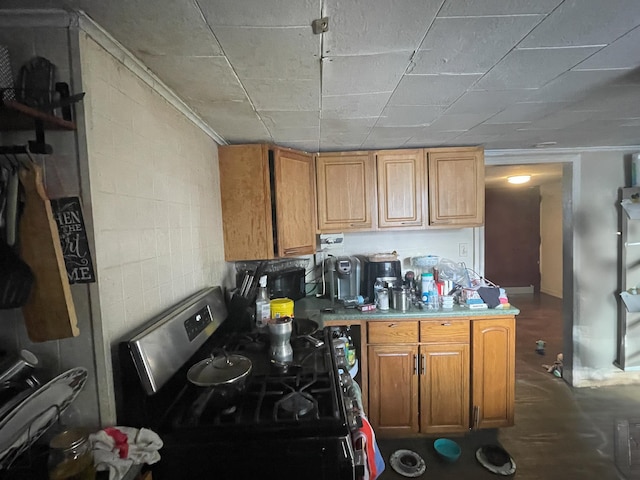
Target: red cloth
(121, 440)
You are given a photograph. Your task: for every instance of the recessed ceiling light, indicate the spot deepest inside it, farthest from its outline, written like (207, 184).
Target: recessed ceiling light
(518, 179)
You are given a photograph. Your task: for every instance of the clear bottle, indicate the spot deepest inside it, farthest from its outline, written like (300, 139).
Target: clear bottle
(263, 305)
(427, 286)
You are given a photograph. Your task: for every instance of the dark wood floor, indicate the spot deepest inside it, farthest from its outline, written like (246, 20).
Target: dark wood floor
(560, 432)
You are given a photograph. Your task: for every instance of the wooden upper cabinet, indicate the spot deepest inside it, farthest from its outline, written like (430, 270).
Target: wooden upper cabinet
(456, 186)
(346, 191)
(400, 188)
(268, 202)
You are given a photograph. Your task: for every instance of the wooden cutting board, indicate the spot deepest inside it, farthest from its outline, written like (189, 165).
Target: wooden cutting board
(49, 314)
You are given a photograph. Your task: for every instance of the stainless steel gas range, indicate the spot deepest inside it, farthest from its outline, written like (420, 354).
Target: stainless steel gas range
(297, 420)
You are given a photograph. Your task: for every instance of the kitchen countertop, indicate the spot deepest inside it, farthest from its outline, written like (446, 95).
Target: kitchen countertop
(310, 307)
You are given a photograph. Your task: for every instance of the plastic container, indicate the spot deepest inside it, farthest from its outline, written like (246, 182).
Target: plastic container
(447, 449)
(281, 307)
(427, 286)
(263, 305)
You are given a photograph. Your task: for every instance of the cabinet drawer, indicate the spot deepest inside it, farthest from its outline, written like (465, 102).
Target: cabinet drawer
(444, 331)
(393, 332)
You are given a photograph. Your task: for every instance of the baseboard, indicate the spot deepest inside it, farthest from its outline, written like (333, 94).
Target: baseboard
(518, 290)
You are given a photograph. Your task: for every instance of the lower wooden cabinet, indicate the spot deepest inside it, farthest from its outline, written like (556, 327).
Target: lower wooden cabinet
(393, 389)
(441, 375)
(493, 360)
(444, 388)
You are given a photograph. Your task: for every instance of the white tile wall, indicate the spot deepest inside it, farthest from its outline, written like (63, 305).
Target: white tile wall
(155, 197)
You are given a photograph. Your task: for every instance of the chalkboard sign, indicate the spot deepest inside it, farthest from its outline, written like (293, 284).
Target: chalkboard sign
(73, 238)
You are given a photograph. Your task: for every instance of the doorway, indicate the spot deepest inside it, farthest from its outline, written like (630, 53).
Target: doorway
(512, 238)
(556, 179)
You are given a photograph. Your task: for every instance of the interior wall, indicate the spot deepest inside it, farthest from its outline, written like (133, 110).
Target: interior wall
(48, 37)
(155, 201)
(446, 244)
(551, 239)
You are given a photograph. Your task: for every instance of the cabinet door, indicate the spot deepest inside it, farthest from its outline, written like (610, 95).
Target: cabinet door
(400, 188)
(346, 191)
(493, 366)
(456, 187)
(444, 388)
(246, 202)
(393, 389)
(295, 203)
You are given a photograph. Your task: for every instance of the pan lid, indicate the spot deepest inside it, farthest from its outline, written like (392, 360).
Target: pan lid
(219, 370)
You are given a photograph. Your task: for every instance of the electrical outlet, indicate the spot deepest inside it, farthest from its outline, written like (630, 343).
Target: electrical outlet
(463, 249)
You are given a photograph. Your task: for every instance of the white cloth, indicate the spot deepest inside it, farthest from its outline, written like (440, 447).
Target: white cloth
(142, 446)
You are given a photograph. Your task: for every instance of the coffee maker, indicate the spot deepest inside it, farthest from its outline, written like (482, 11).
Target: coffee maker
(344, 277)
(389, 272)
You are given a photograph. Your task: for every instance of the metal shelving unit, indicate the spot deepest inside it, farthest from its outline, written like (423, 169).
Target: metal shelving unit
(628, 337)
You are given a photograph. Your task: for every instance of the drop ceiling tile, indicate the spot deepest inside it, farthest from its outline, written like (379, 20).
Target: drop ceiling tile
(139, 26)
(409, 116)
(342, 141)
(623, 53)
(575, 85)
(394, 132)
(558, 120)
(363, 73)
(354, 106)
(457, 122)
(299, 134)
(283, 119)
(280, 94)
(470, 45)
(533, 68)
(236, 122)
(497, 128)
(376, 143)
(613, 99)
(468, 8)
(271, 52)
(359, 125)
(585, 22)
(525, 112)
(486, 103)
(274, 13)
(188, 77)
(377, 26)
(431, 89)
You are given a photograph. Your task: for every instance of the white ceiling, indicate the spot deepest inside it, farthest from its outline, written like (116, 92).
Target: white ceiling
(392, 73)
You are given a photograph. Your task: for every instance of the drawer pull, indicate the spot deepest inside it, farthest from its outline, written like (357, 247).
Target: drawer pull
(392, 325)
(446, 324)
(424, 364)
(415, 364)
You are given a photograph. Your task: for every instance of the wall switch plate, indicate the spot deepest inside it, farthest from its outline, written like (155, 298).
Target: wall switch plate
(463, 249)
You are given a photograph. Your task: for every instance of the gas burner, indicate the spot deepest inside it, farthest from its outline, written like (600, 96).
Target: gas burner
(297, 404)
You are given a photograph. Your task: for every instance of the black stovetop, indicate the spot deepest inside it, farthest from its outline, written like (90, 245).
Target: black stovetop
(305, 395)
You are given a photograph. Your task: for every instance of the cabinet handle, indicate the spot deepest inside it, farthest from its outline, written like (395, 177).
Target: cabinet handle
(287, 251)
(392, 325)
(424, 364)
(446, 324)
(358, 225)
(476, 417)
(415, 364)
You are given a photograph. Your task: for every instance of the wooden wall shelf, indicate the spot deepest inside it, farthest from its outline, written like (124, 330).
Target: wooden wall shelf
(18, 116)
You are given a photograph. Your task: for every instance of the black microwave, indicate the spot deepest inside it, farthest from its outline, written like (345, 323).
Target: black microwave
(287, 283)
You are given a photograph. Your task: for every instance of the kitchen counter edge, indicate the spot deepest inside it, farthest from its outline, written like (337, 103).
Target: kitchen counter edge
(311, 308)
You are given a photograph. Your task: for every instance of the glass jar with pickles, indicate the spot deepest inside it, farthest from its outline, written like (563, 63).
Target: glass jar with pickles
(70, 456)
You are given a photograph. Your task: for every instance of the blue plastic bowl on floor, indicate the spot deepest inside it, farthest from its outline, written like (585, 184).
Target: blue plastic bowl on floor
(447, 449)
